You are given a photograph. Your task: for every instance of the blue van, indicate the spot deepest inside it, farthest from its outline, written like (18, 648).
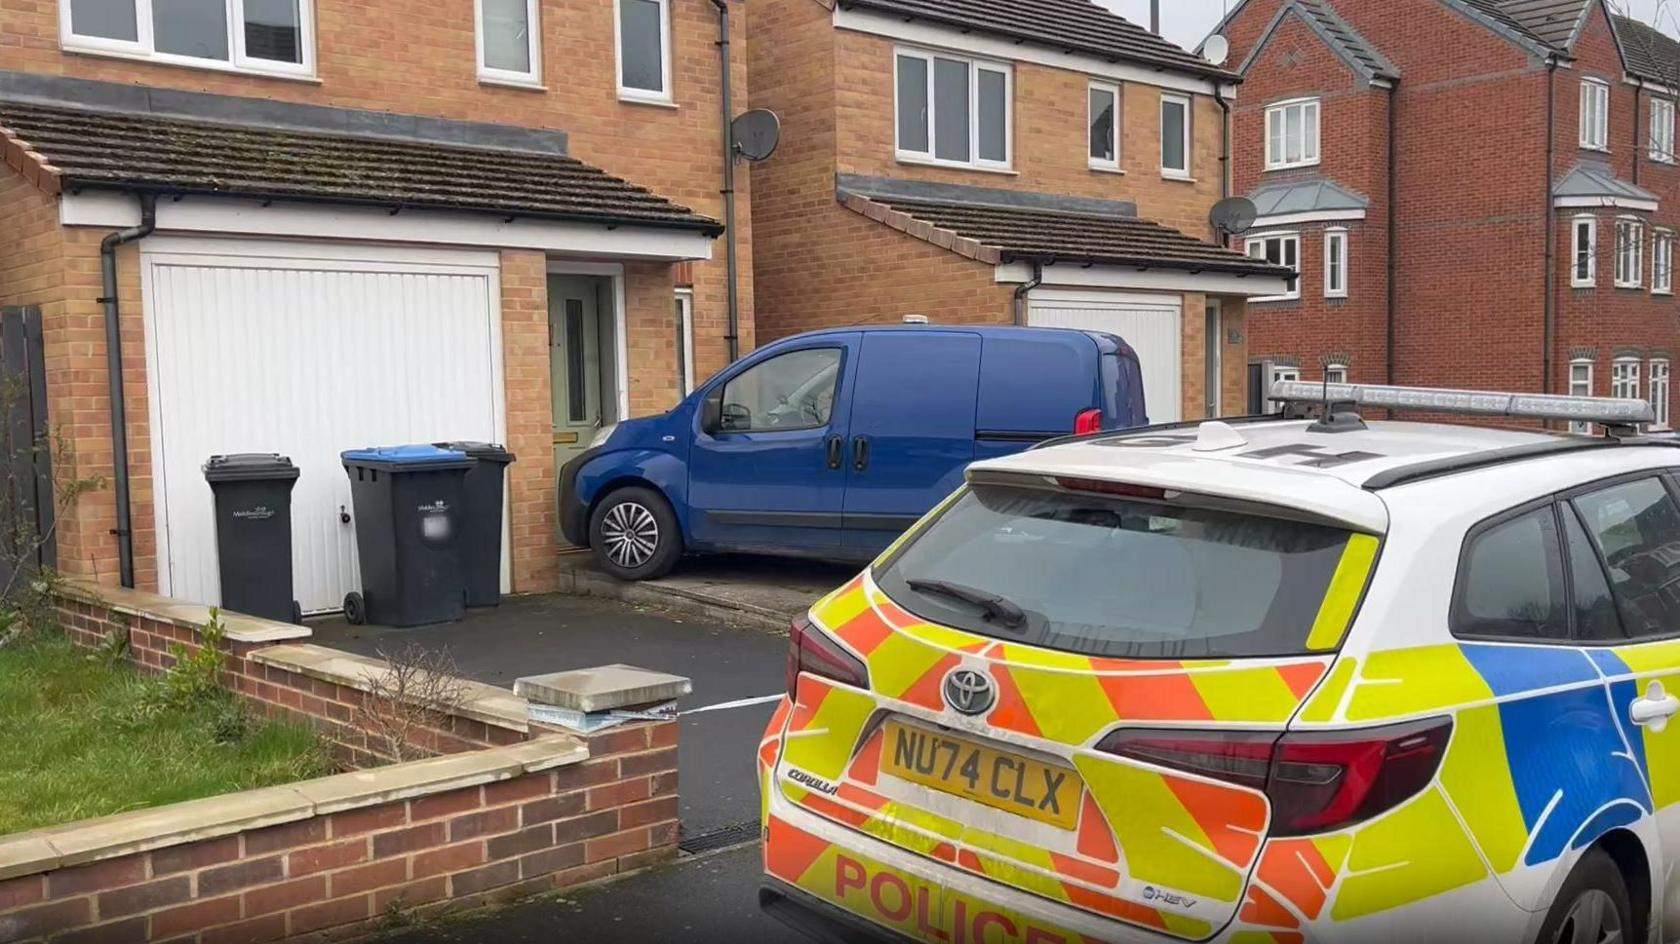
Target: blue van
(831, 444)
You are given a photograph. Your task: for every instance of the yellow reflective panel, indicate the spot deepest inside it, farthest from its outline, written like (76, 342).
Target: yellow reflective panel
(1193, 929)
(1322, 708)
(841, 607)
(899, 662)
(1662, 751)
(1033, 657)
(1254, 696)
(1477, 778)
(1068, 709)
(1652, 657)
(1398, 683)
(826, 744)
(1161, 842)
(1334, 849)
(943, 637)
(1343, 596)
(1413, 853)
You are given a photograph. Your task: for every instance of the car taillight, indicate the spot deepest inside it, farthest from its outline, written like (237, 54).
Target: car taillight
(1087, 422)
(1123, 489)
(811, 650)
(1316, 782)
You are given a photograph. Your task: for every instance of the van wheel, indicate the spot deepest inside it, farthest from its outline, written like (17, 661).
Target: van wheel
(1592, 907)
(634, 534)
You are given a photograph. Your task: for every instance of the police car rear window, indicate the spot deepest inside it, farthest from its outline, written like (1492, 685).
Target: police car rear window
(1111, 576)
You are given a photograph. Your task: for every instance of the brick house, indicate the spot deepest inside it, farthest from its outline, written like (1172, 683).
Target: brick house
(997, 161)
(375, 221)
(1526, 150)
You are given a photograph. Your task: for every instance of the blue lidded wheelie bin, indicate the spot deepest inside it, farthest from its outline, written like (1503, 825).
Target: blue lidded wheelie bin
(409, 503)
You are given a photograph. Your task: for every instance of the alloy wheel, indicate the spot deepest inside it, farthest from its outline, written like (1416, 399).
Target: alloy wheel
(629, 534)
(1592, 919)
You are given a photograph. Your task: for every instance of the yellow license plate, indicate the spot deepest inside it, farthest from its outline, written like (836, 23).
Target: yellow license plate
(999, 779)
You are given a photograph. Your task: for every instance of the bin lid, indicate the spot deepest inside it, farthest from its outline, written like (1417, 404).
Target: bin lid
(249, 467)
(482, 451)
(409, 458)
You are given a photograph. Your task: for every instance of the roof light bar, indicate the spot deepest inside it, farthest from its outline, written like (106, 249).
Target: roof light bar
(1605, 410)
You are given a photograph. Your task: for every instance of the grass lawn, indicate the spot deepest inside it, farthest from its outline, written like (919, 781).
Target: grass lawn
(80, 737)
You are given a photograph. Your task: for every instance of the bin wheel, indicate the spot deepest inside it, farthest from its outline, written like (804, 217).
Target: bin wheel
(297, 613)
(355, 610)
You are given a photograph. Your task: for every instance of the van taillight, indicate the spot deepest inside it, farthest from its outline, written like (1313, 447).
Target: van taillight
(1087, 422)
(1316, 782)
(811, 650)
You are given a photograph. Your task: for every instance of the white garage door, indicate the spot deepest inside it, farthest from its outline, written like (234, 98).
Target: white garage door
(1153, 325)
(307, 350)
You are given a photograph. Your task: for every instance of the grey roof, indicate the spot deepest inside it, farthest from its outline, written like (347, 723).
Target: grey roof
(1553, 22)
(1338, 34)
(1600, 182)
(1068, 25)
(1306, 196)
(1650, 52)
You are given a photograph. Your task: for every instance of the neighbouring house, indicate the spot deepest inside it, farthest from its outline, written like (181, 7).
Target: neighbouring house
(1476, 193)
(351, 223)
(994, 161)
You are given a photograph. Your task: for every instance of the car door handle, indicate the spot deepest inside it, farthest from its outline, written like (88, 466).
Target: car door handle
(835, 447)
(1654, 710)
(860, 453)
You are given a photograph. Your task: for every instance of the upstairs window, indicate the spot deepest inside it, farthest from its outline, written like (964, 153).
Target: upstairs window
(1335, 263)
(1583, 271)
(509, 42)
(1595, 115)
(952, 111)
(267, 36)
(643, 33)
(1175, 136)
(1630, 253)
(1662, 263)
(1292, 134)
(1105, 126)
(1662, 130)
(1282, 249)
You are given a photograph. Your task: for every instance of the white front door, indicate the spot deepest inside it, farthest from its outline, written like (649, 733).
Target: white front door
(1152, 324)
(307, 349)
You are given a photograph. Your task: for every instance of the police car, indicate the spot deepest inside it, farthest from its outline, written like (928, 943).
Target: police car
(1267, 681)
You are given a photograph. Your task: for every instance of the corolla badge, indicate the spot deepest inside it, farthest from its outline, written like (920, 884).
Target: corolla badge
(969, 692)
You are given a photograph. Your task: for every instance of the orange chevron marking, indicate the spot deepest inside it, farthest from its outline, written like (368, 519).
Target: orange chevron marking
(1261, 908)
(1131, 665)
(818, 803)
(970, 861)
(791, 852)
(812, 691)
(1084, 871)
(1114, 907)
(1223, 813)
(1296, 870)
(925, 692)
(855, 794)
(864, 632)
(1155, 698)
(1301, 677)
(778, 717)
(866, 766)
(767, 752)
(1096, 837)
(1012, 712)
(945, 852)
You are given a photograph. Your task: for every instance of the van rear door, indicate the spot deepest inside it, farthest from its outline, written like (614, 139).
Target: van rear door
(1034, 385)
(912, 430)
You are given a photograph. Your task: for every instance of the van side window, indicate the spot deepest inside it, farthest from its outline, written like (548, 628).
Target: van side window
(1635, 527)
(789, 392)
(1510, 581)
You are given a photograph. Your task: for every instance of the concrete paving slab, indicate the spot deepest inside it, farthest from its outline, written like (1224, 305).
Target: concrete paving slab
(603, 688)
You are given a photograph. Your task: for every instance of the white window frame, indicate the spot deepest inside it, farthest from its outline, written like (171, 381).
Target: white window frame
(1334, 274)
(1630, 253)
(1177, 173)
(1657, 384)
(1281, 373)
(975, 66)
(1595, 114)
(144, 46)
(1581, 385)
(1662, 262)
(685, 305)
(533, 39)
(1624, 378)
(1662, 130)
(626, 93)
(1311, 111)
(1575, 247)
(1092, 161)
(1335, 373)
(1286, 235)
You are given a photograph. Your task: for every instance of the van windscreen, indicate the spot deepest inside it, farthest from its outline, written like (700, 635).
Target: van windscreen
(1101, 575)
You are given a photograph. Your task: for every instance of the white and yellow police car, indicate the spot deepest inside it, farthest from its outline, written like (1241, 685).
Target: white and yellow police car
(1266, 681)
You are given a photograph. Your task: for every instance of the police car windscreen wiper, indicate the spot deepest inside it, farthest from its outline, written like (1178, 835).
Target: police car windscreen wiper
(996, 607)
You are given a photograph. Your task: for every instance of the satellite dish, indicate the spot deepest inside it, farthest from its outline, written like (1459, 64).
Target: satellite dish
(1234, 215)
(1217, 49)
(756, 133)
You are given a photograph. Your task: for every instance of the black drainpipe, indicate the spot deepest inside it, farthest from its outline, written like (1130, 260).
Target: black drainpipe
(113, 368)
(1549, 328)
(1024, 288)
(1393, 226)
(1224, 154)
(728, 90)
(1639, 90)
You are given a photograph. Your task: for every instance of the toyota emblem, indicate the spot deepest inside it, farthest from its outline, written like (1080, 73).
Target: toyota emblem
(969, 692)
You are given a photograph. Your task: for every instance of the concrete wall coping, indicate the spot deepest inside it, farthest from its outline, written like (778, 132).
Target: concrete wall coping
(494, 706)
(603, 688)
(240, 628)
(195, 820)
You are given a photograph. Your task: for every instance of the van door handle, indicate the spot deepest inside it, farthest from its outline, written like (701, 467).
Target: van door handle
(1654, 710)
(860, 453)
(835, 445)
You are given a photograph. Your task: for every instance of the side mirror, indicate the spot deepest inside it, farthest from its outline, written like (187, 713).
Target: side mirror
(736, 417)
(711, 413)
